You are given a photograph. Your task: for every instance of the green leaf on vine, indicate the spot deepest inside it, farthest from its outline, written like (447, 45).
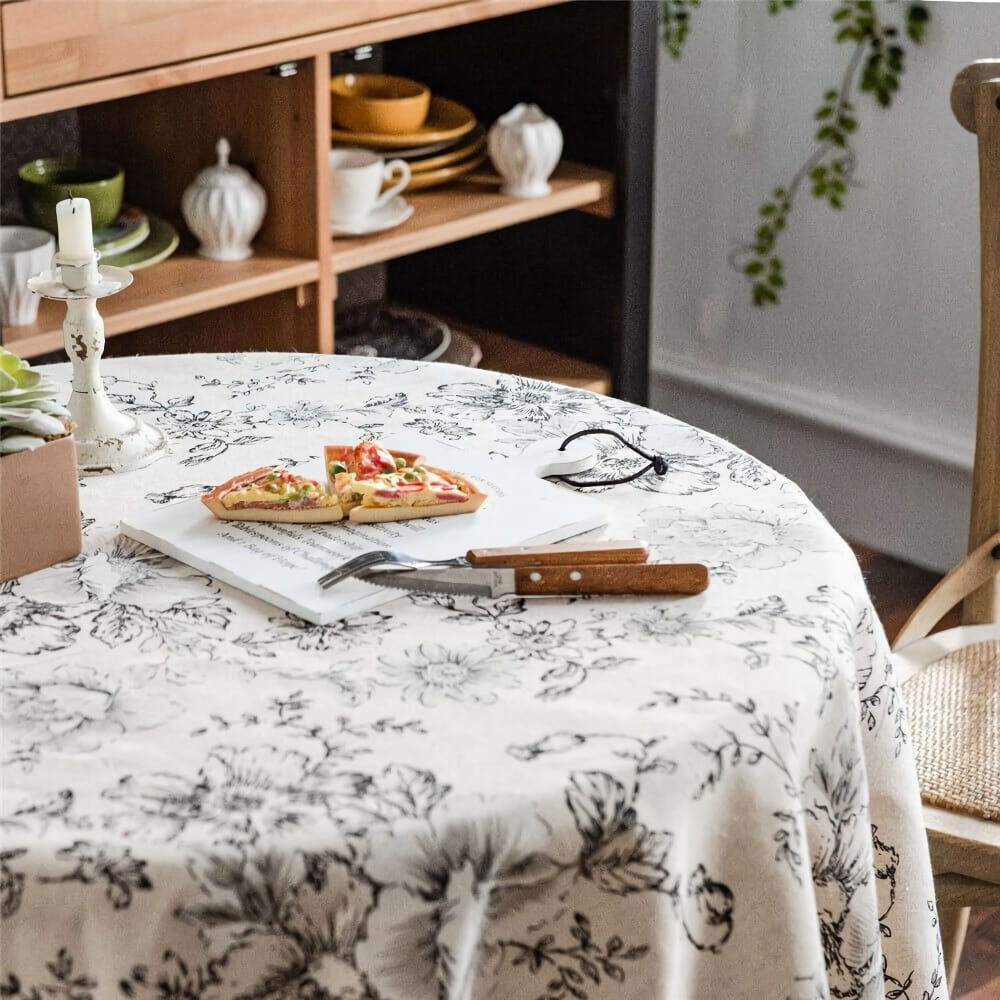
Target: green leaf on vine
(675, 24)
(875, 67)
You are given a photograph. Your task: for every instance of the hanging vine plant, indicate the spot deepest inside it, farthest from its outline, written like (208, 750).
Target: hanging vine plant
(874, 68)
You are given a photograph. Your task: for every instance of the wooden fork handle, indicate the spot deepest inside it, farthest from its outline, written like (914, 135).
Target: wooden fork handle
(561, 554)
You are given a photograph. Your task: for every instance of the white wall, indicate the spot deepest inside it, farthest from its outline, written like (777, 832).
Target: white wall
(861, 384)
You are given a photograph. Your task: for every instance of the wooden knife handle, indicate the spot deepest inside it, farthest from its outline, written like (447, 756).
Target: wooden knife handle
(613, 578)
(563, 554)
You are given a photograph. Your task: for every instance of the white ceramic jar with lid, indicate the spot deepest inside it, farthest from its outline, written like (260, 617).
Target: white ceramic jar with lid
(525, 145)
(224, 208)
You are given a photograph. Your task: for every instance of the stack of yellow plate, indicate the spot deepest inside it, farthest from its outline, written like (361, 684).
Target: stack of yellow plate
(449, 144)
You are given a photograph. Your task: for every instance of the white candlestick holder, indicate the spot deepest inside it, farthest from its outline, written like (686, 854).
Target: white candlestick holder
(107, 440)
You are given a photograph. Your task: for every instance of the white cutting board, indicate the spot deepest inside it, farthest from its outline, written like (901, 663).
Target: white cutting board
(281, 563)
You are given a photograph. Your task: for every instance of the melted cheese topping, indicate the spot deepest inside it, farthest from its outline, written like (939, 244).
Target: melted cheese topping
(405, 487)
(280, 488)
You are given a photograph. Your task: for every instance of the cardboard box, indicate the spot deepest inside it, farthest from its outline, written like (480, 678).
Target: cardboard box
(39, 508)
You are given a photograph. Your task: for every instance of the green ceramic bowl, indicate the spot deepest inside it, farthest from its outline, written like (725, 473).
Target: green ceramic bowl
(44, 182)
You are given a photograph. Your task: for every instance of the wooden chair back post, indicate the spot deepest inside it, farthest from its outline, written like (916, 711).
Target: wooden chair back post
(975, 99)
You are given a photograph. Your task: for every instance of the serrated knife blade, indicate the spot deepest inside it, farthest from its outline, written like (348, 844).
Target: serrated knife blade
(526, 581)
(475, 582)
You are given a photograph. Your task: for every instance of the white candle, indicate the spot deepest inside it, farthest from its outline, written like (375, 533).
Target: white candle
(76, 233)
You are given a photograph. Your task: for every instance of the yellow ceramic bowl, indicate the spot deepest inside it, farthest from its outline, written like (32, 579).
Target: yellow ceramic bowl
(375, 102)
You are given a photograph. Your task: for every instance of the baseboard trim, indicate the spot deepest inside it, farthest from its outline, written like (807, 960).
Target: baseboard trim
(823, 410)
(877, 486)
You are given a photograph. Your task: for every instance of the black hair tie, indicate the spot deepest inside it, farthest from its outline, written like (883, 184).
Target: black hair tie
(657, 463)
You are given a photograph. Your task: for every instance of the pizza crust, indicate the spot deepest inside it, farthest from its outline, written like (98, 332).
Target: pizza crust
(365, 514)
(299, 515)
(476, 497)
(292, 515)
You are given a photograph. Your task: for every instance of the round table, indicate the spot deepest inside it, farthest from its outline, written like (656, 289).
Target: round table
(204, 796)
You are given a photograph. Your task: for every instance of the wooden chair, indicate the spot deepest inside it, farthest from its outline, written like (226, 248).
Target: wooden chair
(951, 679)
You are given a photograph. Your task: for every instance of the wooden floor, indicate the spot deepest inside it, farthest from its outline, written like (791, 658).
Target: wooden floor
(896, 587)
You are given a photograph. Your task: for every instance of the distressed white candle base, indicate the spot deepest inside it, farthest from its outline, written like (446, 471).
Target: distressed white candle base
(107, 440)
(134, 446)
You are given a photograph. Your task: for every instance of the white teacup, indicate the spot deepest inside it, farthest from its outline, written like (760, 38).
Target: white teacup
(24, 252)
(356, 178)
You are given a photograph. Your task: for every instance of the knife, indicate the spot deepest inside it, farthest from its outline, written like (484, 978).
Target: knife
(527, 581)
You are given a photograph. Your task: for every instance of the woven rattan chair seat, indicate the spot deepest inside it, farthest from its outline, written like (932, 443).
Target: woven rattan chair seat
(954, 710)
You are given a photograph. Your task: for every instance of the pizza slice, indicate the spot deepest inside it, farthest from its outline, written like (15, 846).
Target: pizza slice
(273, 494)
(374, 483)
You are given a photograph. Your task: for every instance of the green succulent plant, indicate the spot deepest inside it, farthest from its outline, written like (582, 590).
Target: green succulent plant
(30, 414)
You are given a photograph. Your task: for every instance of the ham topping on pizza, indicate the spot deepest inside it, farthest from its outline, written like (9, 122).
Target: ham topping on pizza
(371, 476)
(280, 489)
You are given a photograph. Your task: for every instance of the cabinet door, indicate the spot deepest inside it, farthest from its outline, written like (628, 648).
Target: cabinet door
(52, 43)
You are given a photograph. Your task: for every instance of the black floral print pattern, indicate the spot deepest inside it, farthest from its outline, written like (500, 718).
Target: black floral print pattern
(447, 797)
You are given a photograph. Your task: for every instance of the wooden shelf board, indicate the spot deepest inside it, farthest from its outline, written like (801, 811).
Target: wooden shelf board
(505, 354)
(314, 45)
(470, 207)
(182, 285)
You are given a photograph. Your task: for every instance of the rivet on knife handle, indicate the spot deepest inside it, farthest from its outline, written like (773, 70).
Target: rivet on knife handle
(613, 578)
(565, 554)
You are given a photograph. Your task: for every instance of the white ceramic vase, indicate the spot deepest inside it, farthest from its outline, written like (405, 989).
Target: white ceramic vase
(224, 208)
(24, 252)
(525, 146)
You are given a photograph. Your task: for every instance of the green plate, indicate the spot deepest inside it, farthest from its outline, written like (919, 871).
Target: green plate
(158, 245)
(127, 231)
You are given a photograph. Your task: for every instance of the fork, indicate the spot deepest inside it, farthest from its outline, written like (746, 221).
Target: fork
(518, 555)
(385, 557)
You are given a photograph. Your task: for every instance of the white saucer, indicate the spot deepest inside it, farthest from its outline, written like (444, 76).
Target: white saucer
(395, 212)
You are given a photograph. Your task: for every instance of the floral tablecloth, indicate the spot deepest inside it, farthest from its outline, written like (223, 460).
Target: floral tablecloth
(447, 797)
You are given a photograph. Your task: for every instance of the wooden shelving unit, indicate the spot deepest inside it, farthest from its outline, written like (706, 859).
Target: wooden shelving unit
(505, 354)
(183, 285)
(153, 85)
(470, 207)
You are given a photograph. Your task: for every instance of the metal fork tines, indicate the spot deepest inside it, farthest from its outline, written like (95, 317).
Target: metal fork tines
(384, 557)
